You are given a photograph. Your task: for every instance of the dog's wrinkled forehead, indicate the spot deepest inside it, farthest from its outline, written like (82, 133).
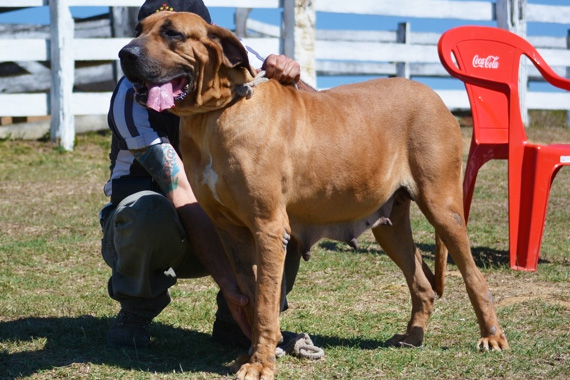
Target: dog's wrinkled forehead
(174, 25)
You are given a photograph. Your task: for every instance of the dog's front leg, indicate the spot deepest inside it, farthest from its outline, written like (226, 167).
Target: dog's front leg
(266, 331)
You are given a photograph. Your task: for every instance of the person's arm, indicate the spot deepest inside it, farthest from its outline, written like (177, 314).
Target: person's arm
(166, 167)
(285, 70)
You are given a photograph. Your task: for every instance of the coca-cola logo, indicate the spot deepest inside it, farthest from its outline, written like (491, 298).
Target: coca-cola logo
(490, 62)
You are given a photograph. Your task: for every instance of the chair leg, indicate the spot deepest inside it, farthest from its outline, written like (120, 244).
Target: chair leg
(515, 187)
(469, 186)
(535, 190)
(475, 160)
(478, 156)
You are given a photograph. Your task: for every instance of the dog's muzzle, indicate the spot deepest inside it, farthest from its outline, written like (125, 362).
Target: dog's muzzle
(153, 89)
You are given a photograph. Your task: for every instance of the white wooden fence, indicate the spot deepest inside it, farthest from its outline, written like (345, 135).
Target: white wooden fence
(322, 52)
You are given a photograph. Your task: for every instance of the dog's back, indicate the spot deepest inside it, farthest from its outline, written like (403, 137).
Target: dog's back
(354, 144)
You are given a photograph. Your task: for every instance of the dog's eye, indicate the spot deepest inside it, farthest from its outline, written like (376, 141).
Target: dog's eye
(138, 30)
(173, 34)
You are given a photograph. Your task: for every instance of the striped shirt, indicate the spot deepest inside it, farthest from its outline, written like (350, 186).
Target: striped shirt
(135, 127)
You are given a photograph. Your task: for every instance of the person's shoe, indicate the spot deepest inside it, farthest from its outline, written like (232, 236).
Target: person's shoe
(129, 330)
(229, 334)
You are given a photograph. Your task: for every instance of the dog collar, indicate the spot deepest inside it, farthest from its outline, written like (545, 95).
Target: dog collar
(246, 89)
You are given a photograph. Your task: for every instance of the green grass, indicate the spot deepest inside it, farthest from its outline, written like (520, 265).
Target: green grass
(54, 310)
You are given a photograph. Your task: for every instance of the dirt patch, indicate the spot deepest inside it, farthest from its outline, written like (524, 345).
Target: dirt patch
(550, 294)
(512, 291)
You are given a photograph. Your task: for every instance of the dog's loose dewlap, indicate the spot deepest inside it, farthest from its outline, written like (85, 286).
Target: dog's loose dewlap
(284, 168)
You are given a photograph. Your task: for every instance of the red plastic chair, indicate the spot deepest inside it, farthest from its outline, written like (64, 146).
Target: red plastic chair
(487, 60)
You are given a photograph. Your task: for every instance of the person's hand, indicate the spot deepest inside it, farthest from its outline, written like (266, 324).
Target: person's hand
(236, 303)
(282, 68)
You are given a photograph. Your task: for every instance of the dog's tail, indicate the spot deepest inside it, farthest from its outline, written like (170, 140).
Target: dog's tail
(440, 266)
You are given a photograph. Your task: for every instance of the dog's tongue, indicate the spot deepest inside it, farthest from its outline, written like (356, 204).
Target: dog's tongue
(160, 97)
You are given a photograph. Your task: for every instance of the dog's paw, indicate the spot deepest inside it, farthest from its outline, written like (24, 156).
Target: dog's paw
(497, 342)
(256, 371)
(414, 338)
(241, 360)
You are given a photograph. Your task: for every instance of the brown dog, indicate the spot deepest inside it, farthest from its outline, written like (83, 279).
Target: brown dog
(290, 167)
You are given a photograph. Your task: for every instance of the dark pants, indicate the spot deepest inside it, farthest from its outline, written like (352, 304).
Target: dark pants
(145, 245)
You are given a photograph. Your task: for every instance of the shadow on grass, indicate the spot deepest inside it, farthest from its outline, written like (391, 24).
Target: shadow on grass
(484, 257)
(325, 342)
(336, 246)
(59, 342)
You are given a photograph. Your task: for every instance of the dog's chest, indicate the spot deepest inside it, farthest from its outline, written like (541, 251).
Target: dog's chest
(209, 179)
(205, 178)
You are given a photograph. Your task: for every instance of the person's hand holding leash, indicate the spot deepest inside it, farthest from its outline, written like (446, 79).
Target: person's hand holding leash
(285, 70)
(282, 68)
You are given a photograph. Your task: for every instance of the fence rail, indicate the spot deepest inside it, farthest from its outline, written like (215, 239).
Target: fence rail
(328, 52)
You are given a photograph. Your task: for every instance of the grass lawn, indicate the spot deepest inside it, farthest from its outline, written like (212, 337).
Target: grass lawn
(55, 312)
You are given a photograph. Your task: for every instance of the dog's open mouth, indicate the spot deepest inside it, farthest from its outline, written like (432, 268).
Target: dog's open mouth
(161, 96)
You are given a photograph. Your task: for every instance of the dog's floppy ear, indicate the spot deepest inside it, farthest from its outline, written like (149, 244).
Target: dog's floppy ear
(235, 55)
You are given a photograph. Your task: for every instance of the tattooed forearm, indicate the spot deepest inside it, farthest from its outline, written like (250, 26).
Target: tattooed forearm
(161, 161)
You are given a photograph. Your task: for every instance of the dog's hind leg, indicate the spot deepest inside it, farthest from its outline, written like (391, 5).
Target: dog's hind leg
(397, 241)
(444, 210)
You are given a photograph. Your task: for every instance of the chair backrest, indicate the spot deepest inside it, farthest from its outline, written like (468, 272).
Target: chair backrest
(487, 59)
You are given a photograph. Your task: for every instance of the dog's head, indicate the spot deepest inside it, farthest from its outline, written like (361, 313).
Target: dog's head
(179, 60)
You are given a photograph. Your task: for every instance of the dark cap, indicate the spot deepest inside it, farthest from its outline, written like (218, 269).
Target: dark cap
(194, 6)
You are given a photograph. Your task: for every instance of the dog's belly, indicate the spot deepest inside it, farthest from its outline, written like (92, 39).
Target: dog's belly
(308, 234)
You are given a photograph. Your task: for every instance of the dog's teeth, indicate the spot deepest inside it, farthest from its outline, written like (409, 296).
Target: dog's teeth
(181, 96)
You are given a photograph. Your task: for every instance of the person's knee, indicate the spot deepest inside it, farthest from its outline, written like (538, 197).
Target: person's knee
(147, 212)
(148, 235)
(148, 203)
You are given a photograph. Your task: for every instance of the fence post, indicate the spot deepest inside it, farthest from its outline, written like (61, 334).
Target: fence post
(241, 17)
(62, 128)
(298, 37)
(123, 22)
(403, 37)
(511, 15)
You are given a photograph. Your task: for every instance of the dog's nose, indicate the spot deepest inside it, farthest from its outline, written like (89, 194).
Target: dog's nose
(130, 53)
